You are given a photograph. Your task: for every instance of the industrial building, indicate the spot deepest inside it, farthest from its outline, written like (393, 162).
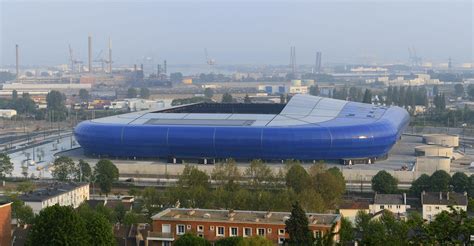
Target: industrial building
(307, 128)
(211, 224)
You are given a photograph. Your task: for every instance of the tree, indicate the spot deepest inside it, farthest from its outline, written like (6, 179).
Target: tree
(297, 227)
(230, 241)
(192, 177)
(227, 173)
(120, 212)
(14, 95)
(346, 232)
(25, 187)
(132, 92)
(208, 92)
(55, 101)
(131, 218)
(460, 182)
(191, 239)
(6, 165)
(105, 173)
(247, 99)
(83, 171)
(22, 212)
(421, 184)
(384, 182)
(314, 90)
(297, 178)
(58, 225)
(459, 90)
(451, 228)
(439, 181)
(151, 198)
(331, 185)
(98, 226)
(176, 77)
(259, 173)
(256, 241)
(63, 168)
(227, 98)
(367, 96)
(144, 93)
(84, 95)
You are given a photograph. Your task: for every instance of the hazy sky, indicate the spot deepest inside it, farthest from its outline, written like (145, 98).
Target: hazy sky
(238, 32)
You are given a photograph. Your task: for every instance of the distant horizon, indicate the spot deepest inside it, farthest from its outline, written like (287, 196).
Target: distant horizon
(238, 33)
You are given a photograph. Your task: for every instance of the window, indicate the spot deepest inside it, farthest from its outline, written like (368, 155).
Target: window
(261, 231)
(247, 232)
(211, 228)
(437, 208)
(166, 243)
(281, 232)
(281, 240)
(428, 208)
(317, 234)
(269, 230)
(220, 231)
(180, 229)
(233, 232)
(382, 207)
(200, 235)
(389, 206)
(188, 227)
(398, 206)
(200, 228)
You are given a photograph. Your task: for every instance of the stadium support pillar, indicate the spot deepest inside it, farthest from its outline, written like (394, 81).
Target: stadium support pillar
(205, 161)
(174, 160)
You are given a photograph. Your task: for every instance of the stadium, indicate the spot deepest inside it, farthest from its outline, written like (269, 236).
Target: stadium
(307, 128)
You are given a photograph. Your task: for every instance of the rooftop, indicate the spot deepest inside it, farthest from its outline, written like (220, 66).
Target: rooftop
(50, 191)
(358, 205)
(444, 198)
(240, 216)
(392, 199)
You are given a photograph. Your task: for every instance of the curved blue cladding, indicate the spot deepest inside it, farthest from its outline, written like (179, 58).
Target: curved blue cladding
(341, 137)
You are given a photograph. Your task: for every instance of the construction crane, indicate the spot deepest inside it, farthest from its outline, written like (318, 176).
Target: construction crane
(72, 60)
(211, 62)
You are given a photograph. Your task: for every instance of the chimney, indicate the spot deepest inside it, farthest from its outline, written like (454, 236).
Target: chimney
(17, 62)
(110, 56)
(89, 45)
(404, 198)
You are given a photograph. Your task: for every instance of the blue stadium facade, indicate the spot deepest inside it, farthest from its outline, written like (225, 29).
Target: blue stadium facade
(306, 128)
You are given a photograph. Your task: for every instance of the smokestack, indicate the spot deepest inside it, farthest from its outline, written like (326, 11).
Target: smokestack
(164, 67)
(110, 56)
(17, 62)
(90, 52)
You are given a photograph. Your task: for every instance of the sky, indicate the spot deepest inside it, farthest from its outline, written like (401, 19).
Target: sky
(237, 32)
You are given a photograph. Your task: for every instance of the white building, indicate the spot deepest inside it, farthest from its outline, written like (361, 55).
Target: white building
(64, 194)
(395, 203)
(435, 202)
(7, 113)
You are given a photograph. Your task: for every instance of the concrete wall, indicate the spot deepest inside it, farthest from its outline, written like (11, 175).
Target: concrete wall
(431, 164)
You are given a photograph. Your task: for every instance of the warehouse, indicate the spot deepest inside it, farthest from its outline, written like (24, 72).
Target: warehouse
(307, 128)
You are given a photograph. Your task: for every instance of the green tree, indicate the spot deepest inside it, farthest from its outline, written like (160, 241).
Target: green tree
(191, 239)
(384, 182)
(132, 92)
(83, 171)
(460, 182)
(144, 93)
(25, 187)
(151, 200)
(64, 168)
(55, 101)
(439, 181)
(208, 92)
(451, 228)
(120, 211)
(297, 178)
(131, 218)
(314, 90)
(230, 241)
(14, 95)
(98, 226)
(247, 99)
(227, 173)
(227, 98)
(346, 232)
(192, 177)
(259, 174)
(256, 241)
(84, 95)
(297, 227)
(6, 165)
(331, 185)
(459, 90)
(105, 174)
(58, 225)
(22, 212)
(421, 184)
(367, 96)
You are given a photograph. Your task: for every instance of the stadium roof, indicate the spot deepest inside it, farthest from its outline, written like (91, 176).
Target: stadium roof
(300, 110)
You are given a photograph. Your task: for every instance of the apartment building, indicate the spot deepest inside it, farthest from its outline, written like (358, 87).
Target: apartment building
(395, 203)
(435, 202)
(213, 225)
(64, 194)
